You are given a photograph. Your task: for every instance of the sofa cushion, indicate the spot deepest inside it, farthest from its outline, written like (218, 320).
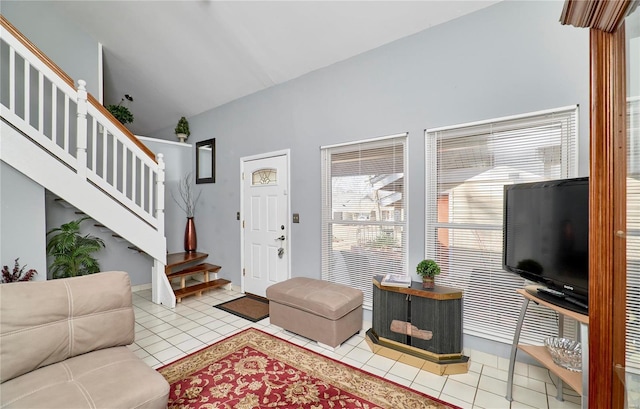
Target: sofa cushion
(329, 300)
(108, 378)
(49, 321)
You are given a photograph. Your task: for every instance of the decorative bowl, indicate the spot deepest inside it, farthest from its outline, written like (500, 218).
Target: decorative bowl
(565, 352)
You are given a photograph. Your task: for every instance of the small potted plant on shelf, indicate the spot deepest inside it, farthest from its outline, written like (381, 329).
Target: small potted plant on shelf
(428, 269)
(121, 112)
(182, 129)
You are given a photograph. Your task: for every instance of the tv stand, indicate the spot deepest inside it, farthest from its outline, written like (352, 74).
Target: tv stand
(579, 381)
(560, 299)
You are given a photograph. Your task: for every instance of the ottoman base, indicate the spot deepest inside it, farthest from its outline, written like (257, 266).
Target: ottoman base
(320, 329)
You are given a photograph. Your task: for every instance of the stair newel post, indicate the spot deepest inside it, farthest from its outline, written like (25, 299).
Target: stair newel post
(161, 291)
(81, 141)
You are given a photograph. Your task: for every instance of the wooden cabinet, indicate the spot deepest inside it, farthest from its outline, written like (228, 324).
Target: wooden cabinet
(438, 310)
(403, 316)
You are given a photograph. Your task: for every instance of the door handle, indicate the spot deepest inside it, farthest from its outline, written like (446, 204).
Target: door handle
(281, 238)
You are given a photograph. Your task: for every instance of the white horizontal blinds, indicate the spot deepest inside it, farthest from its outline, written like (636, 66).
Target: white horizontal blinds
(633, 235)
(364, 212)
(467, 168)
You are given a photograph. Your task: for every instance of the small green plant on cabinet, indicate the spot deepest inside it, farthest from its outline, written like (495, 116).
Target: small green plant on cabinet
(182, 129)
(121, 112)
(17, 274)
(428, 268)
(71, 251)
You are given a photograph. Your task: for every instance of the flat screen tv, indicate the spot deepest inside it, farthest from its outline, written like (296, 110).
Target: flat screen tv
(546, 237)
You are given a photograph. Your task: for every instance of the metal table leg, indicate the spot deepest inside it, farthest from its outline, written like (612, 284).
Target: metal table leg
(584, 341)
(514, 348)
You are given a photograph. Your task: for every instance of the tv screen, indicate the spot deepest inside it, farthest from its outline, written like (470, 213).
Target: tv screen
(546, 234)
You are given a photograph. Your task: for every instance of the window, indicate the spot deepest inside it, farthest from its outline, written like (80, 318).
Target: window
(467, 167)
(364, 212)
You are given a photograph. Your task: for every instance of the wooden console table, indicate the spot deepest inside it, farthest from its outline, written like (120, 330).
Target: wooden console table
(418, 314)
(579, 381)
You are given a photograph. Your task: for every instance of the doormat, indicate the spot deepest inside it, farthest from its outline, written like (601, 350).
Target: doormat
(250, 307)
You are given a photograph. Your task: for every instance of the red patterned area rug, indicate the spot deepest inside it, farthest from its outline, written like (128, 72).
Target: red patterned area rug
(253, 369)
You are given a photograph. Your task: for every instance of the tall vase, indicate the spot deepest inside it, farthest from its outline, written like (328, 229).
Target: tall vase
(190, 238)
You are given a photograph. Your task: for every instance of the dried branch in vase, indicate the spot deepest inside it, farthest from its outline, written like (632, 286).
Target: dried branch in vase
(185, 189)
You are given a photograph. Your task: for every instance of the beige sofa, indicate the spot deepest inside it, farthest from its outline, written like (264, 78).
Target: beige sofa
(63, 345)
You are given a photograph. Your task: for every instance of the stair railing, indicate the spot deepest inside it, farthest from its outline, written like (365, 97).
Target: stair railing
(40, 100)
(70, 124)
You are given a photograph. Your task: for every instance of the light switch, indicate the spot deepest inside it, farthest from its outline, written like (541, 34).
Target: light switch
(296, 217)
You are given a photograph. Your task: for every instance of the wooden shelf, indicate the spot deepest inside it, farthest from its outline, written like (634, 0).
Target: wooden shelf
(540, 353)
(567, 313)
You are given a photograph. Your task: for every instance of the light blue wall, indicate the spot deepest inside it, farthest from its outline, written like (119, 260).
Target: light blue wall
(73, 50)
(511, 58)
(22, 222)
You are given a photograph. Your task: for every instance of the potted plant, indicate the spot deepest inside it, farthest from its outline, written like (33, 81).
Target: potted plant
(121, 112)
(17, 273)
(428, 269)
(72, 252)
(182, 129)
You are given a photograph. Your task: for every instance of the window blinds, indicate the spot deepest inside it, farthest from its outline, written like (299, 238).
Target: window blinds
(364, 212)
(633, 235)
(467, 168)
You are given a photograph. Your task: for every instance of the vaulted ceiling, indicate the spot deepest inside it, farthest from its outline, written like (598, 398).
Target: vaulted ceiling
(181, 58)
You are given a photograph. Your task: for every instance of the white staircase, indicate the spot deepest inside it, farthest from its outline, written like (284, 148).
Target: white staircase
(67, 142)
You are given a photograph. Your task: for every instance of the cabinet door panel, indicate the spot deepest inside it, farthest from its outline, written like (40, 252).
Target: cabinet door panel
(389, 306)
(442, 317)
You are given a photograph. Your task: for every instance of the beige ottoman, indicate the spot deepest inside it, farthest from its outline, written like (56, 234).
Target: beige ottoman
(322, 311)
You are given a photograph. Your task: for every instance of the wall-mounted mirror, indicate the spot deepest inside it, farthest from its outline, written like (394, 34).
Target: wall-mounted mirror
(206, 161)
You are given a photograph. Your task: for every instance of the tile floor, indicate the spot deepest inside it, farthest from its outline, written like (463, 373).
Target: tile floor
(164, 335)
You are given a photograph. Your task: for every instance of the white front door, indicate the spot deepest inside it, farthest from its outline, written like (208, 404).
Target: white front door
(265, 213)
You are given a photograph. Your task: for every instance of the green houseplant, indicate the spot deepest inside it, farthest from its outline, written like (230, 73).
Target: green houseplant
(121, 112)
(182, 129)
(72, 252)
(428, 269)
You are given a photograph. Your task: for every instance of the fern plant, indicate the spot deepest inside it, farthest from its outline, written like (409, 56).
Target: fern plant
(72, 252)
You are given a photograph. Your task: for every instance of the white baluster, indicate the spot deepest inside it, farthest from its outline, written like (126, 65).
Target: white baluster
(65, 130)
(134, 179)
(54, 112)
(159, 199)
(81, 149)
(94, 145)
(27, 92)
(12, 80)
(125, 171)
(41, 102)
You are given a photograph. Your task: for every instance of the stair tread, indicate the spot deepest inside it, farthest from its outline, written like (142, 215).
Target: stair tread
(183, 292)
(178, 259)
(200, 268)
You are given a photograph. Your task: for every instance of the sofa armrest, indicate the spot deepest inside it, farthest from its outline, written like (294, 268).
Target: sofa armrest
(49, 321)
